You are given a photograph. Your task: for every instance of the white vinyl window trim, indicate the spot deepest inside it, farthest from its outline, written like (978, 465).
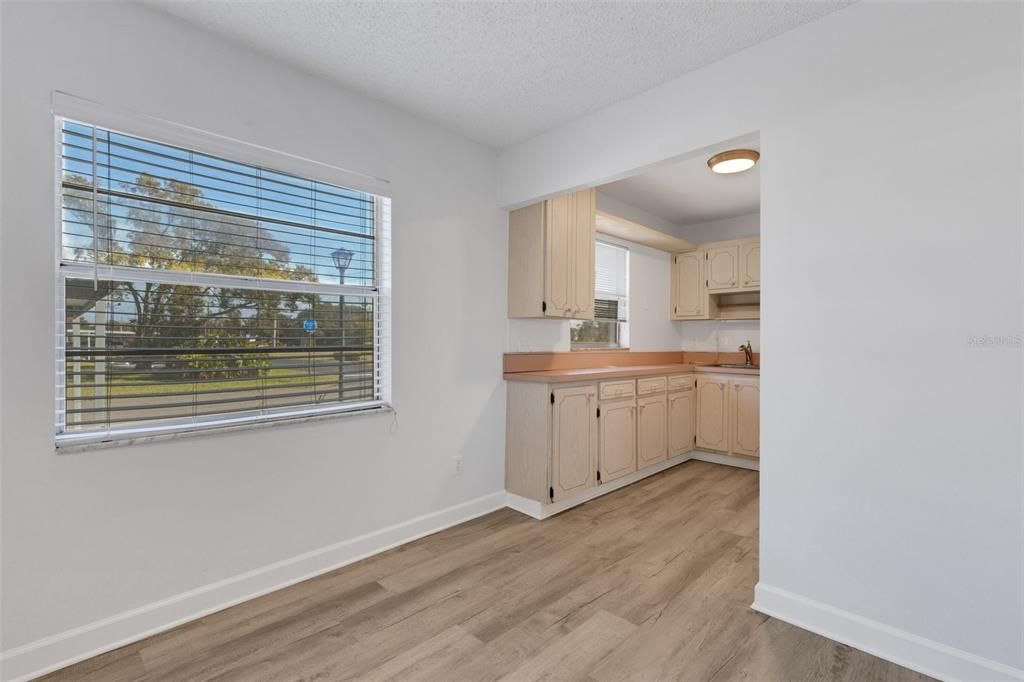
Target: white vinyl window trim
(373, 293)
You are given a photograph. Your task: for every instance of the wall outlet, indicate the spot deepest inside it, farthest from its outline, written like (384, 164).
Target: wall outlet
(458, 465)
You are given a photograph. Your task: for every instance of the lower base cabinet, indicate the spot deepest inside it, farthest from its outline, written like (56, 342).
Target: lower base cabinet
(682, 420)
(617, 440)
(712, 413)
(562, 440)
(652, 430)
(745, 417)
(573, 440)
(729, 414)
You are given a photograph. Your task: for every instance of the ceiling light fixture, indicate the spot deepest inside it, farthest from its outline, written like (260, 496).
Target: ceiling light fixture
(733, 161)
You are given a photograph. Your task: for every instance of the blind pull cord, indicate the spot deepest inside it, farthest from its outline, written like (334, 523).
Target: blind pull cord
(95, 227)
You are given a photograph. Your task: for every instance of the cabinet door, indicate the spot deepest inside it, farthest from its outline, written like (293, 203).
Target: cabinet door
(558, 255)
(689, 295)
(712, 414)
(584, 242)
(722, 266)
(750, 264)
(682, 416)
(745, 417)
(574, 440)
(618, 439)
(652, 430)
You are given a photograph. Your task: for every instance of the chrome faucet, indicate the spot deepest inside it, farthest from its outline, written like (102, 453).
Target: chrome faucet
(748, 353)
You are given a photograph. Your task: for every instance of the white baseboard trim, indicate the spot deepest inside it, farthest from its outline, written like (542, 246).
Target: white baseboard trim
(541, 510)
(58, 651)
(728, 460)
(901, 647)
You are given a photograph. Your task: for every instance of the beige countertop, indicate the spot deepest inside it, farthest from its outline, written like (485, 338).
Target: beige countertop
(554, 376)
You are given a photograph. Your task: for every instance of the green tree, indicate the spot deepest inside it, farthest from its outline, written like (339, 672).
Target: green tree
(169, 225)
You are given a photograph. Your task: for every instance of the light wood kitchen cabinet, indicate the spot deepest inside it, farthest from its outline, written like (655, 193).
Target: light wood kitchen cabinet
(689, 295)
(682, 417)
(729, 414)
(712, 413)
(652, 430)
(718, 281)
(750, 264)
(722, 268)
(551, 257)
(617, 441)
(573, 440)
(583, 267)
(745, 417)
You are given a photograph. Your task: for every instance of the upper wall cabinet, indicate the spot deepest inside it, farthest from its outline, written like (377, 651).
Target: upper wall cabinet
(750, 264)
(722, 268)
(689, 294)
(718, 281)
(733, 266)
(551, 257)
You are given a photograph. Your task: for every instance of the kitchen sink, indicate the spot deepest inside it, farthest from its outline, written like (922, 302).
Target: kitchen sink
(739, 365)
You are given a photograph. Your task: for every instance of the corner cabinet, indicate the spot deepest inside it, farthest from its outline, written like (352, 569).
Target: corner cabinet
(745, 417)
(729, 414)
(551, 257)
(712, 413)
(682, 414)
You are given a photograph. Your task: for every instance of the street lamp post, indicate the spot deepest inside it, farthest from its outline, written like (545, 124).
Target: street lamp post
(342, 258)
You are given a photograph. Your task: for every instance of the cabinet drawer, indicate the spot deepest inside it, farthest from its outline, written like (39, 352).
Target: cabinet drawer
(681, 382)
(616, 389)
(650, 385)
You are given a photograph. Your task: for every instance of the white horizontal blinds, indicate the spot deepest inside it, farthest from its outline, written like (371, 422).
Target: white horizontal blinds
(164, 207)
(611, 282)
(196, 289)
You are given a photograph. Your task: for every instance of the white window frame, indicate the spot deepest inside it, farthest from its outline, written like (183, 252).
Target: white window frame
(78, 110)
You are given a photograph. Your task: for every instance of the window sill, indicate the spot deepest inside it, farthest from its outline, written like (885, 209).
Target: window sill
(71, 442)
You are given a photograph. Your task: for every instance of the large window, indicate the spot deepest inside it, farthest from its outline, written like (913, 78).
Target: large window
(195, 292)
(610, 326)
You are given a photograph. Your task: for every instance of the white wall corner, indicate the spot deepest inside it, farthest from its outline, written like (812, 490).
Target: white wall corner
(52, 653)
(899, 646)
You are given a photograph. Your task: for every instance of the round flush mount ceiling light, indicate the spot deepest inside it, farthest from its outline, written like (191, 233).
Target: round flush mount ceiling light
(733, 161)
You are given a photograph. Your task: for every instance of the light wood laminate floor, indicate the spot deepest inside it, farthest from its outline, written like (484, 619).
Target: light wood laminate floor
(652, 582)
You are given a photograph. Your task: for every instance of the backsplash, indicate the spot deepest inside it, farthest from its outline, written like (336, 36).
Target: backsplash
(723, 336)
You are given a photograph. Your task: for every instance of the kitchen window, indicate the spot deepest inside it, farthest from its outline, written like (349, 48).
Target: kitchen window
(195, 292)
(610, 326)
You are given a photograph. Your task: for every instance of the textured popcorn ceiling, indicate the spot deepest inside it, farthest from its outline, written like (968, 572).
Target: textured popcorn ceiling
(499, 72)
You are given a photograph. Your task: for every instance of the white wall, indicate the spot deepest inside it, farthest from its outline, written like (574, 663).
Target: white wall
(91, 535)
(748, 225)
(723, 336)
(891, 470)
(649, 293)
